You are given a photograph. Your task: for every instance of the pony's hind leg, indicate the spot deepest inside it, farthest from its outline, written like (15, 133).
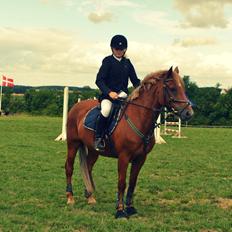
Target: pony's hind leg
(72, 150)
(91, 160)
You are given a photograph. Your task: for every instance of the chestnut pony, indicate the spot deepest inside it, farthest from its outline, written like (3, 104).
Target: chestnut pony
(133, 138)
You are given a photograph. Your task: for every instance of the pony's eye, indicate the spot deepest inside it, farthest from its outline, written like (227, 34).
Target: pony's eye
(173, 90)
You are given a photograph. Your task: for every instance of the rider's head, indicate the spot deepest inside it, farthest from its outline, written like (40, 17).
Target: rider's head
(118, 45)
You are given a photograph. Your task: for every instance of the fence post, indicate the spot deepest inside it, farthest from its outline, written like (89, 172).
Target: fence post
(63, 135)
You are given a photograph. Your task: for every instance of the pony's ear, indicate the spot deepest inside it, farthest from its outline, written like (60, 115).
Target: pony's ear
(169, 73)
(176, 69)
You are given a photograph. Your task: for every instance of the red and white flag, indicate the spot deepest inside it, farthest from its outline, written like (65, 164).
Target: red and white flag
(9, 82)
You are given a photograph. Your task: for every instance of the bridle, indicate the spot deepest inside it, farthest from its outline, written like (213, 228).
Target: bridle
(170, 99)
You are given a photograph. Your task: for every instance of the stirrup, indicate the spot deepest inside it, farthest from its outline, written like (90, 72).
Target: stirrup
(99, 144)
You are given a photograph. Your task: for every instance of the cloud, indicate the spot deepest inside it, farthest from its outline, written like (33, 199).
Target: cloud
(204, 67)
(31, 47)
(39, 55)
(203, 14)
(45, 50)
(190, 42)
(103, 11)
(45, 56)
(156, 19)
(121, 3)
(98, 18)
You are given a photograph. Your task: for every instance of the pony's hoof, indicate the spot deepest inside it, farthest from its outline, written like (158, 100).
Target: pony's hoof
(70, 201)
(70, 198)
(91, 200)
(131, 211)
(121, 214)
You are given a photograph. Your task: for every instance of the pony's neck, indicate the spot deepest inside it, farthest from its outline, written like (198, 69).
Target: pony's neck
(148, 111)
(150, 99)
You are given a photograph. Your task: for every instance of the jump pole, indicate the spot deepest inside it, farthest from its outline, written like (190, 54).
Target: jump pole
(63, 135)
(175, 132)
(158, 138)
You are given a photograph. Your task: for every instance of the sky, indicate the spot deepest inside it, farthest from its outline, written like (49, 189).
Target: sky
(63, 42)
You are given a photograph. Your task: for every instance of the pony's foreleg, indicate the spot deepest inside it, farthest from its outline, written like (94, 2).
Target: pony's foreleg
(91, 160)
(72, 150)
(135, 169)
(123, 162)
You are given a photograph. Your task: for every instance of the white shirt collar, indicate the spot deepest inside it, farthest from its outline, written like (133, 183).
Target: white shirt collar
(118, 59)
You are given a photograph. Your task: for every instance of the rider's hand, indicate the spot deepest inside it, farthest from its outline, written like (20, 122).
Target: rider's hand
(113, 95)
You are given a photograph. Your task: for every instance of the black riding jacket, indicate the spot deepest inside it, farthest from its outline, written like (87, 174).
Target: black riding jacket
(113, 75)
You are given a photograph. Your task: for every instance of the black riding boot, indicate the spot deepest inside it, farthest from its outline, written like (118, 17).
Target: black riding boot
(99, 143)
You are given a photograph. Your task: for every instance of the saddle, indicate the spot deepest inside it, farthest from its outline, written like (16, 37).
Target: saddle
(113, 119)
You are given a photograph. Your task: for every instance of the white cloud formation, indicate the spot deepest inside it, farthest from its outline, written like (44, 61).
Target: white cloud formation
(190, 42)
(155, 19)
(98, 18)
(43, 56)
(203, 14)
(109, 3)
(103, 10)
(47, 53)
(204, 68)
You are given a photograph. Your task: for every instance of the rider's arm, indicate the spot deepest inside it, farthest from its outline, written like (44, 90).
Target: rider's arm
(102, 75)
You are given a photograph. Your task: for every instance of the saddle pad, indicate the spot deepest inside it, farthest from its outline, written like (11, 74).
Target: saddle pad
(91, 118)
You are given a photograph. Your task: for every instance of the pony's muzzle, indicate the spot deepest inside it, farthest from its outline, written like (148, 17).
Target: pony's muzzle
(186, 114)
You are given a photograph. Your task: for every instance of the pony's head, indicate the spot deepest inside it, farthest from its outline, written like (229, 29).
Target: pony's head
(174, 95)
(168, 89)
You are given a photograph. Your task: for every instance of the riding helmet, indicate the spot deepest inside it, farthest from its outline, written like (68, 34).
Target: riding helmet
(119, 42)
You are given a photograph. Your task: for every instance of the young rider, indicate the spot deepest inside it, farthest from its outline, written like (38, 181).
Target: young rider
(112, 80)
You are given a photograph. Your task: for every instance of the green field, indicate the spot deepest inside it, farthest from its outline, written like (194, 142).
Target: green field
(185, 185)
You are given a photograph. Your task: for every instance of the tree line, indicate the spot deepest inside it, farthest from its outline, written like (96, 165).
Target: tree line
(42, 100)
(212, 106)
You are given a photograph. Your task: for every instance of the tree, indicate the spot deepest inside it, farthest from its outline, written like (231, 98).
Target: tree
(191, 88)
(223, 109)
(6, 99)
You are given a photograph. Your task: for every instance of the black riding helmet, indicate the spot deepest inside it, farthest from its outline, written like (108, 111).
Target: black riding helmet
(119, 42)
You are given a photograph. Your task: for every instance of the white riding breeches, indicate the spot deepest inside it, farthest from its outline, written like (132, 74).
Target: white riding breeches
(106, 107)
(106, 104)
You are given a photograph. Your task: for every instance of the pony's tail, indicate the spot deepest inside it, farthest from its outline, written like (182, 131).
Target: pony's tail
(83, 152)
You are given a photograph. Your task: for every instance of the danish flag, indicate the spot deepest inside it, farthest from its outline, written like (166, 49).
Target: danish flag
(9, 82)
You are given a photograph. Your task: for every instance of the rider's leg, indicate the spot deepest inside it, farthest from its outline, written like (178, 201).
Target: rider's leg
(101, 124)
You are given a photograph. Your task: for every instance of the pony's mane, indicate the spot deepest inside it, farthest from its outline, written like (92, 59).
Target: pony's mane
(146, 83)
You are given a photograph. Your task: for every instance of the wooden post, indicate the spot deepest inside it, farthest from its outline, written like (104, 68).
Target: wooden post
(158, 138)
(63, 135)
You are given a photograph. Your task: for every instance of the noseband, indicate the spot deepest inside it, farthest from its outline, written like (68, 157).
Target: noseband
(169, 98)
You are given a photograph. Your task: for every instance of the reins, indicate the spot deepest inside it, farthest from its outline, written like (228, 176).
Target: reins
(142, 106)
(146, 138)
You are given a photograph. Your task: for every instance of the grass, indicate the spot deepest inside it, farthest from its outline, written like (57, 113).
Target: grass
(185, 185)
